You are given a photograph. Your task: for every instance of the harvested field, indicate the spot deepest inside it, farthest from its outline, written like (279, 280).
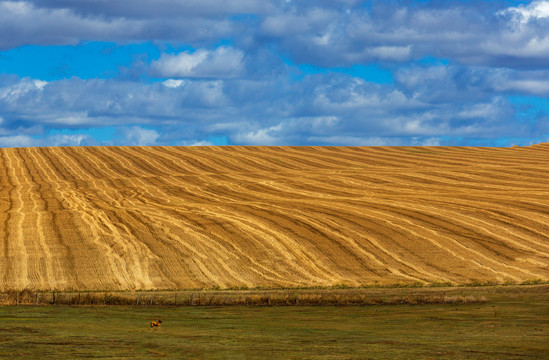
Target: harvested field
(118, 218)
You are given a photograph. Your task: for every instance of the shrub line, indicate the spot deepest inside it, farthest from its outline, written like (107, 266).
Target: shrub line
(275, 298)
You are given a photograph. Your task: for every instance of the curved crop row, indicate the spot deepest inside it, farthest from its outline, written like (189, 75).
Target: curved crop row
(117, 218)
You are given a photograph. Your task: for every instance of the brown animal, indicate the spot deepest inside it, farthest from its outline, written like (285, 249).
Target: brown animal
(156, 323)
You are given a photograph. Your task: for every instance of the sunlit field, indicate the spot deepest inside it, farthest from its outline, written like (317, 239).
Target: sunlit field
(126, 218)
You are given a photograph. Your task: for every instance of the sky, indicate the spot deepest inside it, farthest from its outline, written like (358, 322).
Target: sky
(274, 72)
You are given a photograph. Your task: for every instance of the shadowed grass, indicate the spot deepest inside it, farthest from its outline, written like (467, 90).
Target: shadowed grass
(510, 325)
(335, 296)
(254, 297)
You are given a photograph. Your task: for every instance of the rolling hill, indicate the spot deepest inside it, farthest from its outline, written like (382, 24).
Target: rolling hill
(198, 217)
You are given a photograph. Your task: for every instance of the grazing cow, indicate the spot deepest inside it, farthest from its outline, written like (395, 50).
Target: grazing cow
(156, 323)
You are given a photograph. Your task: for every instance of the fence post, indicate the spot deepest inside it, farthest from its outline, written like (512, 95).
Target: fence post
(137, 302)
(152, 297)
(211, 299)
(192, 299)
(53, 298)
(36, 301)
(269, 299)
(175, 299)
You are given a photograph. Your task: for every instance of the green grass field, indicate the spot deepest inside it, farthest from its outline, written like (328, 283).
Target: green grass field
(512, 324)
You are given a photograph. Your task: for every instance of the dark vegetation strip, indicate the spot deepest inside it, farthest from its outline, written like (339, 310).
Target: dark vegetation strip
(224, 298)
(435, 293)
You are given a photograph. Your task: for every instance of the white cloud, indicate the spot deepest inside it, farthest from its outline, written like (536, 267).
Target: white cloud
(356, 141)
(391, 53)
(391, 31)
(51, 22)
(27, 23)
(453, 83)
(265, 136)
(538, 87)
(320, 123)
(319, 109)
(430, 142)
(525, 13)
(162, 9)
(16, 8)
(173, 83)
(71, 119)
(17, 141)
(196, 143)
(486, 111)
(40, 84)
(66, 140)
(38, 140)
(20, 89)
(223, 62)
(136, 135)
(290, 23)
(356, 94)
(325, 33)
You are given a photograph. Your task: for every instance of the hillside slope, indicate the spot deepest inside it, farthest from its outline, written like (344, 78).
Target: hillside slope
(193, 217)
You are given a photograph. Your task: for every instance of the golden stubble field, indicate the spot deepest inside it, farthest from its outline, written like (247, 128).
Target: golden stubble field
(89, 218)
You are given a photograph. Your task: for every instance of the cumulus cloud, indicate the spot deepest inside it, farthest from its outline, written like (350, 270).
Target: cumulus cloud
(519, 82)
(139, 136)
(320, 109)
(160, 9)
(524, 13)
(22, 23)
(17, 141)
(391, 53)
(266, 136)
(461, 83)
(196, 143)
(173, 83)
(323, 33)
(357, 141)
(70, 22)
(223, 62)
(47, 140)
(88, 103)
(480, 34)
(67, 140)
(454, 66)
(295, 130)
(18, 89)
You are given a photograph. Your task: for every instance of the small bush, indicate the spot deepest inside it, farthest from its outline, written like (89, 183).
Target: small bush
(533, 282)
(440, 284)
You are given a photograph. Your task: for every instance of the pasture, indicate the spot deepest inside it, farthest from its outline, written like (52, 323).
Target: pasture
(512, 324)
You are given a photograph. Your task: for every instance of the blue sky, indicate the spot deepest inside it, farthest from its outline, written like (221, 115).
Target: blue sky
(274, 72)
